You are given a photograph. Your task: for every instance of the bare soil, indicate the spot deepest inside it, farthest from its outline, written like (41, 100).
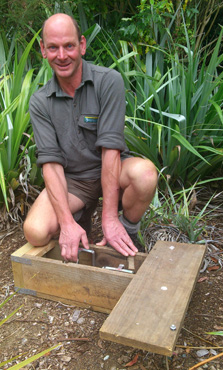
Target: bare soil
(40, 324)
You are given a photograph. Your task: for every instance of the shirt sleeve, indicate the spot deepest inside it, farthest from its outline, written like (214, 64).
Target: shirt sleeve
(45, 136)
(112, 115)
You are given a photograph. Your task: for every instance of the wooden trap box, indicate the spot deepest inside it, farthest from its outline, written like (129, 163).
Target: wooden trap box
(147, 305)
(39, 271)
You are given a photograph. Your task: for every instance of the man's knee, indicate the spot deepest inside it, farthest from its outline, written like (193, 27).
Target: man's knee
(35, 233)
(143, 175)
(149, 174)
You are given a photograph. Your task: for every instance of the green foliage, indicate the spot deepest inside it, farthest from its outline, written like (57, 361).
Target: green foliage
(176, 208)
(202, 19)
(107, 13)
(215, 333)
(17, 84)
(31, 359)
(16, 15)
(174, 111)
(151, 16)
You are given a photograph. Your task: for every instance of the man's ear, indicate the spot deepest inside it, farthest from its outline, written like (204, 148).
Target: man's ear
(83, 44)
(42, 47)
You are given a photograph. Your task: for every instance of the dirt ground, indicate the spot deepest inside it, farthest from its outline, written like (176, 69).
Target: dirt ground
(40, 324)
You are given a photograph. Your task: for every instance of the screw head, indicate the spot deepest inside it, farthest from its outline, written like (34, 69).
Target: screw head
(173, 327)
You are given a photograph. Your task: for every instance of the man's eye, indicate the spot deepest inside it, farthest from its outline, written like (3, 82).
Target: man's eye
(52, 47)
(69, 46)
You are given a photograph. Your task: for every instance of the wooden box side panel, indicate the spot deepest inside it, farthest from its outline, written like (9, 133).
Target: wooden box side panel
(90, 286)
(29, 250)
(17, 270)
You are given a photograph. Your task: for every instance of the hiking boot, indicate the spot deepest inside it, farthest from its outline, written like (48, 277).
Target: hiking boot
(137, 243)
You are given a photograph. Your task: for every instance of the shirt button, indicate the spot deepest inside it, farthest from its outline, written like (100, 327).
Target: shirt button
(75, 104)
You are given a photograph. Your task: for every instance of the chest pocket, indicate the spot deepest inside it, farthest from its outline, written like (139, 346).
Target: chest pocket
(87, 125)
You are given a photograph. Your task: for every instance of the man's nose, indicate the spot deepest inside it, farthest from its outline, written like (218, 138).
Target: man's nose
(61, 53)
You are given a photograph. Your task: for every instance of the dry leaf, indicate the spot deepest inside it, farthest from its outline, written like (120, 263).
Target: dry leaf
(133, 362)
(65, 358)
(202, 279)
(100, 345)
(142, 367)
(212, 268)
(214, 259)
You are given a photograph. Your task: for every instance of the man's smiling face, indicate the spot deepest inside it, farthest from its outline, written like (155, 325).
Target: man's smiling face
(62, 47)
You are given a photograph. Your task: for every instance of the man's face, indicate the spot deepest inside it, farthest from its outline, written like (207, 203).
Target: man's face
(62, 47)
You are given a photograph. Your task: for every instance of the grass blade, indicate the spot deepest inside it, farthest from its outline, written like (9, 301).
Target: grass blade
(10, 315)
(33, 358)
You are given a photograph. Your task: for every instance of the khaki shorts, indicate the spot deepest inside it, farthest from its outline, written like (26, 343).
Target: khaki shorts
(89, 191)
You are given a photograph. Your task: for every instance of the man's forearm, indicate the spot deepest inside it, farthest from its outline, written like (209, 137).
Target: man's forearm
(113, 230)
(56, 187)
(70, 232)
(111, 167)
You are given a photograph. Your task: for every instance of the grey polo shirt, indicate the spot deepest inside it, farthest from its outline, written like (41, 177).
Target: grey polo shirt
(71, 131)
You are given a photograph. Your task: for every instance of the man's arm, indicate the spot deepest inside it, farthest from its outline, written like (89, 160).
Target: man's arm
(70, 232)
(114, 232)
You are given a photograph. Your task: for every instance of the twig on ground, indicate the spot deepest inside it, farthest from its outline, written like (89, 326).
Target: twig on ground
(207, 315)
(205, 361)
(192, 347)
(74, 339)
(167, 363)
(197, 336)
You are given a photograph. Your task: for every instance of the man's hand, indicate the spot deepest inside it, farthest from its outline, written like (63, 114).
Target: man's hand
(116, 235)
(70, 237)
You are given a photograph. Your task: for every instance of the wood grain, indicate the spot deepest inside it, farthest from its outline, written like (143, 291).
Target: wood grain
(30, 250)
(156, 298)
(85, 285)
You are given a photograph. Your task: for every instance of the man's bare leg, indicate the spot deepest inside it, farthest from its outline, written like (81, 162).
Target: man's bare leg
(138, 181)
(41, 224)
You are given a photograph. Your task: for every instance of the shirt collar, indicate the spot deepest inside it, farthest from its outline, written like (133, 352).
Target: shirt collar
(86, 72)
(53, 86)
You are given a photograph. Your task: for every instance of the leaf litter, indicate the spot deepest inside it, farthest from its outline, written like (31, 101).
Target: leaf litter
(82, 348)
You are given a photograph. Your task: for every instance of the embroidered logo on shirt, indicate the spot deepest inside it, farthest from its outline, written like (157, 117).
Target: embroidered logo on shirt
(91, 119)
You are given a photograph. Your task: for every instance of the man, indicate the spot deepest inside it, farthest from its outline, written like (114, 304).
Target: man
(78, 123)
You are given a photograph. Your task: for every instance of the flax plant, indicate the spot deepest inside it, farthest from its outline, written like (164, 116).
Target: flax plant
(174, 117)
(182, 210)
(18, 81)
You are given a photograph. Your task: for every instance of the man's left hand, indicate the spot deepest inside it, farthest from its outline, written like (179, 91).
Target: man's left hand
(116, 236)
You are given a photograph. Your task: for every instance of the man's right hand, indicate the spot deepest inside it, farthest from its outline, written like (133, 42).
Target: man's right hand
(70, 237)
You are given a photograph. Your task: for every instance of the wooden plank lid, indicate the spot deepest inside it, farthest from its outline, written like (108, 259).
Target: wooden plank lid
(151, 310)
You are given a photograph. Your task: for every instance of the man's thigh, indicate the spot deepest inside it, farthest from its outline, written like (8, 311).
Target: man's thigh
(81, 195)
(42, 213)
(88, 191)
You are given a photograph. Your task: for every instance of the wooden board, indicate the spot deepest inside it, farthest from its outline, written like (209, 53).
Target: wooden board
(156, 298)
(36, 272)
(28, 249)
